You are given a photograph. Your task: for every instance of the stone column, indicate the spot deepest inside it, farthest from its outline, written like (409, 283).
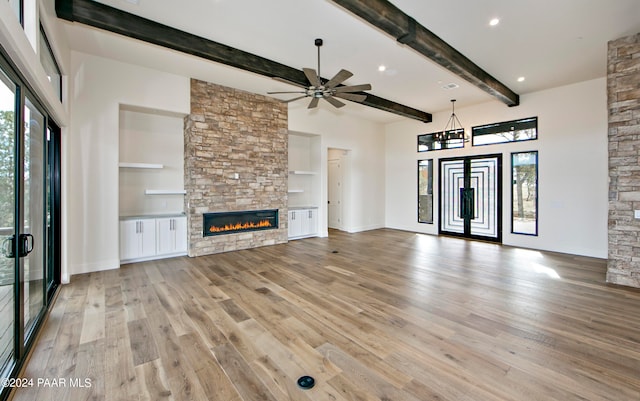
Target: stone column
(623, 89)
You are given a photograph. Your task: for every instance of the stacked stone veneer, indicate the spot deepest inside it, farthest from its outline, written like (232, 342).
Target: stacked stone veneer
(233, 132)
(623, 87)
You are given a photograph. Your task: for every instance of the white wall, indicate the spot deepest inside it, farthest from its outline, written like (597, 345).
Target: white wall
(98, 87)
(572, 145)
(364, 172)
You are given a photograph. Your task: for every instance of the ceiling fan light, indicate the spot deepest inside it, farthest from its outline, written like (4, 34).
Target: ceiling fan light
(318, 89)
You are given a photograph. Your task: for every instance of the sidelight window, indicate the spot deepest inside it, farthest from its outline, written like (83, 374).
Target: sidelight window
(425, 191)
(524, 193)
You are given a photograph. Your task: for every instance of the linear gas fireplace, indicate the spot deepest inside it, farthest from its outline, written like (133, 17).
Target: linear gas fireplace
(236, 222)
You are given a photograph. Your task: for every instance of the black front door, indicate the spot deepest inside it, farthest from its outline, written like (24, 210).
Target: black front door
(471, 197)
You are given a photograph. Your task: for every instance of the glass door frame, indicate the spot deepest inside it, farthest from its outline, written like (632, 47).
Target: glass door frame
(467, 185)
(24, 337)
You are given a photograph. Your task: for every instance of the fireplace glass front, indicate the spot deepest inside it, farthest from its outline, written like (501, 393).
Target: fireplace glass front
(236, 222)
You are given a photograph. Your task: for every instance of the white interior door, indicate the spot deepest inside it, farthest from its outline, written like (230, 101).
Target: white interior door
(334, 206)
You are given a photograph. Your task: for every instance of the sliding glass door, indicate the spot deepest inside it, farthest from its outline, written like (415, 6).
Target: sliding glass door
(32, 209)
(8, 140)
(29, 218)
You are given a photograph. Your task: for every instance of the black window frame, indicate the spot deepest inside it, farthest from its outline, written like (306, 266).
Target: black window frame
(504, 127)
(449, 144)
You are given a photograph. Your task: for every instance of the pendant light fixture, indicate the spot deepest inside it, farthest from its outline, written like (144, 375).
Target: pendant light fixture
(453, 129)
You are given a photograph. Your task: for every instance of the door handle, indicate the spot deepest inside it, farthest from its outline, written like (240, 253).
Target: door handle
(25, 244)
(9, 246)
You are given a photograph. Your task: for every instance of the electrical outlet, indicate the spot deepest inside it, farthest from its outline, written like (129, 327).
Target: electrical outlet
(636, 214)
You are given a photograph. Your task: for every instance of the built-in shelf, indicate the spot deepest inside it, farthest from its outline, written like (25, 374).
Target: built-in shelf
(302, 172)
(295, 191)
(139, 165)
(164, 192)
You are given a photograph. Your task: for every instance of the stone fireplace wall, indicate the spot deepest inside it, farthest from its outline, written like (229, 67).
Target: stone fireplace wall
(235, 159)
(623, 87)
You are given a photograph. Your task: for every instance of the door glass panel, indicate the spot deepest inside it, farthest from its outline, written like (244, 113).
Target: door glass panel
(7, 217)
(483, 181)
(34, 213)
(452, 183)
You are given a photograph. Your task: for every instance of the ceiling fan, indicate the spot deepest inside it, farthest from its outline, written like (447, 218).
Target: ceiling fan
(328, 90)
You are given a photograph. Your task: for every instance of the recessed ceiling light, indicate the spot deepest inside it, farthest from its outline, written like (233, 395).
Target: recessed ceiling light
(494, 22)
(520, 79)
(382, 68)
(450, 86)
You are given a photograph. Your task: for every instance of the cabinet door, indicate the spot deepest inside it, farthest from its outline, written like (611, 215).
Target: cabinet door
(180, 231)
(129, 239)
(147, 238)
(303, 216)
(312, 222)
(295, 223)
(172, 235)
(165, 235)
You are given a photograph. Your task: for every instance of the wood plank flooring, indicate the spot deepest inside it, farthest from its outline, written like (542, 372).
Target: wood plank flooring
(379, 315)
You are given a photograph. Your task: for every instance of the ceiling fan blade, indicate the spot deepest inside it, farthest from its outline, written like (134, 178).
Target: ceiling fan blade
(313, 103)
(294, 99)
(353, 88)
(312, 76)
(351, 96)
(276, 93)
(335, 102)
(339, 78)
(289, 82)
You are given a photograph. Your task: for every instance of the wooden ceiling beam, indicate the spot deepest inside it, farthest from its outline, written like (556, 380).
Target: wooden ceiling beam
(393, 21)
(101, 16)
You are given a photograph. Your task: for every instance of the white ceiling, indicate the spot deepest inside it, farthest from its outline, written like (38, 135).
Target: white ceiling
(549, 42)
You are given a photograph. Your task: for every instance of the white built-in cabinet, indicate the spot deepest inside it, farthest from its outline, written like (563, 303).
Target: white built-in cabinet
(152, 238)
(303, 223)
(171, 235)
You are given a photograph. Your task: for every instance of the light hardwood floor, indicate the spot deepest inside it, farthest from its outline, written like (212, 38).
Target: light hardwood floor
(380, 315)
